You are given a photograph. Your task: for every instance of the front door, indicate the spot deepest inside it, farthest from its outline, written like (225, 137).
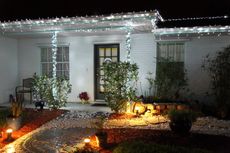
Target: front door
(103, 52)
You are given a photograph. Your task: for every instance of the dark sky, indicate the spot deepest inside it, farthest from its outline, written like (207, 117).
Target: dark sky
(33, 9)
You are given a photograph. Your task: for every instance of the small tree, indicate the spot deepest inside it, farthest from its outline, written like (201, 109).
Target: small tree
(54, 91)
(218, 68)
(120, 83)
(170, 78)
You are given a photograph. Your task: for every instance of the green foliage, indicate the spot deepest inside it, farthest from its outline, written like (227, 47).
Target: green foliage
(141, 147)
(170, 78)
(218, 68)
(54, 91)
(182, 115)
(16, 105)
(4, 112)
(120, 83)
(151, 81)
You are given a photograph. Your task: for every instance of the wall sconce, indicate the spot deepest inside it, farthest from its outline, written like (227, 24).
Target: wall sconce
(9, 134)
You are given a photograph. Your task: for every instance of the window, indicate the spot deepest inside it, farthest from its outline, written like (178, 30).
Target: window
(62, 68)
(172, 50)
(170, 72)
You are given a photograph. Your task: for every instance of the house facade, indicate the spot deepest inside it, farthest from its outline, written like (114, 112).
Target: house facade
(84, 43)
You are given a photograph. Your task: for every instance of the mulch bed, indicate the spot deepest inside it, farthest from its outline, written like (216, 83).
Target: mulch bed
(32, 119)
(214, 143)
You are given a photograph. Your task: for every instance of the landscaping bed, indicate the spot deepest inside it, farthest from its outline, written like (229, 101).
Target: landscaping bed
(32, 119)
(214, 143)
(130, 140)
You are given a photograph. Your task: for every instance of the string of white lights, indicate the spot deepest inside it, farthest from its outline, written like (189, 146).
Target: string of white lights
(191, 30)
(198, 18)
(128, 45)
(54, 62)
(78, 20)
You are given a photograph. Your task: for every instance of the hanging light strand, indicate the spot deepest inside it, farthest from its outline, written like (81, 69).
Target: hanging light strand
(128, 45)
(197, 18)
(54, 62)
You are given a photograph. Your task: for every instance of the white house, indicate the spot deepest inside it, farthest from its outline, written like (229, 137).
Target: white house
(85, 42)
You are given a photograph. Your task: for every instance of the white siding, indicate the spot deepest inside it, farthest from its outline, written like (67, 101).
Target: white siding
(81, 50)
(82, 58)
(195, 51)
(8, 68)
(143, 52)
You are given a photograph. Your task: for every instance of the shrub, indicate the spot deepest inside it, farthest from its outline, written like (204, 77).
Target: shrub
(218, 68)
(4, 112)
(182, 115)
(54, 91)
(16, 105)
(181, 121)
(120, 84)
(171, 78)
(141, 147)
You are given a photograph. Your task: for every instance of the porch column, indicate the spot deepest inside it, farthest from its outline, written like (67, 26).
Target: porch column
(54, 60)
(128, 44)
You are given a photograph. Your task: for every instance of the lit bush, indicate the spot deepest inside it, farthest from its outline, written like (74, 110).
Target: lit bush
(120, 84)
(54, 91)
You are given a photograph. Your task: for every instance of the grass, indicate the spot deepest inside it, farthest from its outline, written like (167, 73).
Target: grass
(143, 147)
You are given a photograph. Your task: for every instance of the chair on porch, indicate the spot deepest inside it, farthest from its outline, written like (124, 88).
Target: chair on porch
(26, 87)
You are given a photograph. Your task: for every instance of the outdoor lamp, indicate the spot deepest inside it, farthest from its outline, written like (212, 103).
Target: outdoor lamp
(87, 141)
(137, 110)
(9, 134)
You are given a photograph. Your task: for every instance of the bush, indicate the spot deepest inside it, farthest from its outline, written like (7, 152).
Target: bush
(181, 121)
(120, 84)
(141, 147)
(54, 91)
(4, 112)
(218, 68)
(171, 78)
(182, 115)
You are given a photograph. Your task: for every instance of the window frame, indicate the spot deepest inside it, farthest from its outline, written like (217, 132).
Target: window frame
(48, 61)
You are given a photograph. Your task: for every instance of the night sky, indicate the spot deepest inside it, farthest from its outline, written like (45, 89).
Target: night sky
(34, 9)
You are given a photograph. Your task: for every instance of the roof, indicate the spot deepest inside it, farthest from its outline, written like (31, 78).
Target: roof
(189, 27)
(119, 23)
(138, 22)
(195, 22)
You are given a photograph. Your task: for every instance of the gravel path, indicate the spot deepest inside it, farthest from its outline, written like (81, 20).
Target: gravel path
(68, 129)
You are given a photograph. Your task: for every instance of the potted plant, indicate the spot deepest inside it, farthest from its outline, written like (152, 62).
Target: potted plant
(181, 120)
(14, 120)
(84, 97)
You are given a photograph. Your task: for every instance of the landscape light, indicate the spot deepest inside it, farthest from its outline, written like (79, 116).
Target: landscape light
(9, 134)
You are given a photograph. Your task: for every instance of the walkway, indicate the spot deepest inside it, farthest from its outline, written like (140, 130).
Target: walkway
(79, 123)
(98, 106)
(68, 129)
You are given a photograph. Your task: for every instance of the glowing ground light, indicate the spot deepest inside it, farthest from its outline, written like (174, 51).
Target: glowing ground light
(137, 110)
(9, 134)
(10, 149)
(9, 131)
(87, 140)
